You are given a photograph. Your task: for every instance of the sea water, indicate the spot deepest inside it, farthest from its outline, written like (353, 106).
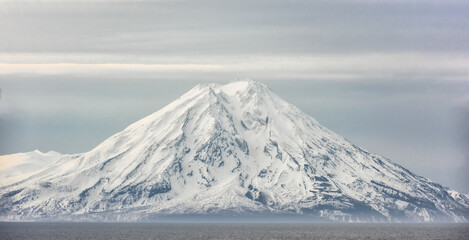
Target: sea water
(145, 231)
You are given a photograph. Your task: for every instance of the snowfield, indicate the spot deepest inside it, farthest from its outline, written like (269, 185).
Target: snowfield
(234, 149)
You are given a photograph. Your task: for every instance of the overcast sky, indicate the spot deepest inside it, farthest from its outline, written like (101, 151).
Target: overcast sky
(391, 76)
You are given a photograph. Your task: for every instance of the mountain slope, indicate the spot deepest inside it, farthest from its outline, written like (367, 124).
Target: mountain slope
(232, 149)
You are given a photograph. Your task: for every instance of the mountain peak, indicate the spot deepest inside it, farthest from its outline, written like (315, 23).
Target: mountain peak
(239, 86)
(243, 86)
(235, 149)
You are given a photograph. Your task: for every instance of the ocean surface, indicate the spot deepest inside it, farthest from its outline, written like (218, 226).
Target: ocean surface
(53, 231)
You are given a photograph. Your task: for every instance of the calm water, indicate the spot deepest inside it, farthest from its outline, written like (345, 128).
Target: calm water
(230, 231)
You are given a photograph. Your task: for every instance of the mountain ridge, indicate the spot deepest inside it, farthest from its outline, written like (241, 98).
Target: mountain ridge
(227, 149)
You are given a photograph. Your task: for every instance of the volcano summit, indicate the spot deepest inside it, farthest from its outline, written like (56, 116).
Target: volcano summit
(231, 150)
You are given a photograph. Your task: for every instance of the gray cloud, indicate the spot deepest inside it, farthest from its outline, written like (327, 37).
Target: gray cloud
(209, 27)
(262, 39)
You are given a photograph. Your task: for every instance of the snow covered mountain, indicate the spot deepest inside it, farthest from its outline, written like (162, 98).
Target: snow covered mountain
(234, 149)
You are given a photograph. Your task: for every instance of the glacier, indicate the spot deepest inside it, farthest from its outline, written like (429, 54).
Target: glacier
(222, 150)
